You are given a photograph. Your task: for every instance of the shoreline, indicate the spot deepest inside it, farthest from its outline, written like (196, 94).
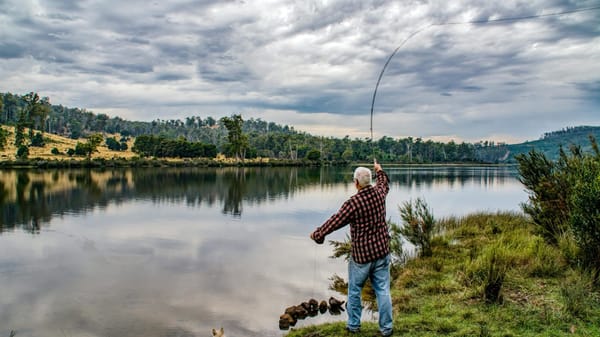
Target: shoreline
(42, 163)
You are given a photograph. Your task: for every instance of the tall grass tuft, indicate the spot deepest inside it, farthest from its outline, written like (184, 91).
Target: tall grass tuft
(545, 259)
(568, 247)
(488, 271)
(576, 294)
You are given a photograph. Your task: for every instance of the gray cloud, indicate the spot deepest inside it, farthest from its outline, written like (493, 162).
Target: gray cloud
(590, 90)
(10, 50)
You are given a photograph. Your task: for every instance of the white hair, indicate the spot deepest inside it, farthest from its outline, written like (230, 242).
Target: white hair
(363, 176)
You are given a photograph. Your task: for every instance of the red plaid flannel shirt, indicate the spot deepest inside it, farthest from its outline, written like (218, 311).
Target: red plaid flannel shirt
(365, 212)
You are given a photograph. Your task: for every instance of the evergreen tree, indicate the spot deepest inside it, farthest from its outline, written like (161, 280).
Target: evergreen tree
(238, 141)
(3, 138)
(20, 129)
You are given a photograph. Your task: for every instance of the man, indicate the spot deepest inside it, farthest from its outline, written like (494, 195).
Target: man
(370, 241)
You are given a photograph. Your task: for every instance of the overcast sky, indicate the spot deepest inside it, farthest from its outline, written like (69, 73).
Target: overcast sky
(313, 65)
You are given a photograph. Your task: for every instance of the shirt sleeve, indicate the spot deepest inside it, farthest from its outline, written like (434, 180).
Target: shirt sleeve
(340, 219)
(383, 182)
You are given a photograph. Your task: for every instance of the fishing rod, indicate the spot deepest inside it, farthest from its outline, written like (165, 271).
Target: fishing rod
(411, 35)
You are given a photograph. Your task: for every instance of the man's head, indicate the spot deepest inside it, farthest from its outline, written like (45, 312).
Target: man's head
(362, 177)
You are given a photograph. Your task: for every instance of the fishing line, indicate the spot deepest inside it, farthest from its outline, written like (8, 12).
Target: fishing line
(411, 35)
(314, 287)
(315, 261)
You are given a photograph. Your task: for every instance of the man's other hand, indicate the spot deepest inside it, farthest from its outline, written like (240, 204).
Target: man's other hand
(312, 236)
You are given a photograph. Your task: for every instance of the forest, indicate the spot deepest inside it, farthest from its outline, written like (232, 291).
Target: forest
(251, 138)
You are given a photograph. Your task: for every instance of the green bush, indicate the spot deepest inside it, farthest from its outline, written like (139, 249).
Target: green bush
(23, 152)
(418, 225)
(82, 149)
(3, 138)
(37, 140)
(548, 194)
(113, 144)
(564, 199)
(585, 212)
(55, 151)
(313, 155)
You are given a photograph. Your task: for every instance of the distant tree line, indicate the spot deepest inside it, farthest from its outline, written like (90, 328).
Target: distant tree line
(570, 130)
(232, 136)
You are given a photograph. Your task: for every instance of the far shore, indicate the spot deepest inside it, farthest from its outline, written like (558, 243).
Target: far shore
(101, 162)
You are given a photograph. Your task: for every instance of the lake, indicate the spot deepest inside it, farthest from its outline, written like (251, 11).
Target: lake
(178, 252)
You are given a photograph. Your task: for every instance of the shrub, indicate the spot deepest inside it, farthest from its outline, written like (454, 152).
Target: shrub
(564, 199)
(81, 149)
(313, 155)
(23, 152)
(55, 151)
(3, 138)
(341, 248)
(548, 190)
(113, 144)
(37, 140)
(418, 225)
(585, 212)
(397, 253)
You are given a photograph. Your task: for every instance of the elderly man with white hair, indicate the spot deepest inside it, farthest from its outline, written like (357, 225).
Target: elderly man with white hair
(370, 241)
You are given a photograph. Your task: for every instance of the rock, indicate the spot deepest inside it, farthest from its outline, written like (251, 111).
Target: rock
(299, 312)
(290, 310)
(323, 306)
(313, 307)
(285, 321)
(335, 306)
(335, 303)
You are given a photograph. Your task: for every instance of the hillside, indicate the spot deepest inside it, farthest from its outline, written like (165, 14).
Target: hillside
(62, 144)
(551, 142)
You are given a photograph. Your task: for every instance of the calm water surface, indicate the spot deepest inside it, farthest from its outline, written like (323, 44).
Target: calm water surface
(177, 252)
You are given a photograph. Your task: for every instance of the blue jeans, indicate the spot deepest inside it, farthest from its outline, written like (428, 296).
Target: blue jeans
(378, 272)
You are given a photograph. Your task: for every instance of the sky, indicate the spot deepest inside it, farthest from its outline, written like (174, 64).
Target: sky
(314, 65)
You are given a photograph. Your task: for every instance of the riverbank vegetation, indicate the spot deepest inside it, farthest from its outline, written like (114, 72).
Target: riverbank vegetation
(534, 273)
(253, 138)
(453, 291)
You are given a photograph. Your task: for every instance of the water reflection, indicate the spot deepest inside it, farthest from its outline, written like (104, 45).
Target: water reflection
(29, 199)
(177, 252)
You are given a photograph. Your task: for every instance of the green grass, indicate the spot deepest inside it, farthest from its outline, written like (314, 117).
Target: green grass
(443, 295)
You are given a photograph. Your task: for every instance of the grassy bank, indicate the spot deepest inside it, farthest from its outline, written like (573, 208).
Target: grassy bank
(43, 157)
(445, 294)
(42, 163)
